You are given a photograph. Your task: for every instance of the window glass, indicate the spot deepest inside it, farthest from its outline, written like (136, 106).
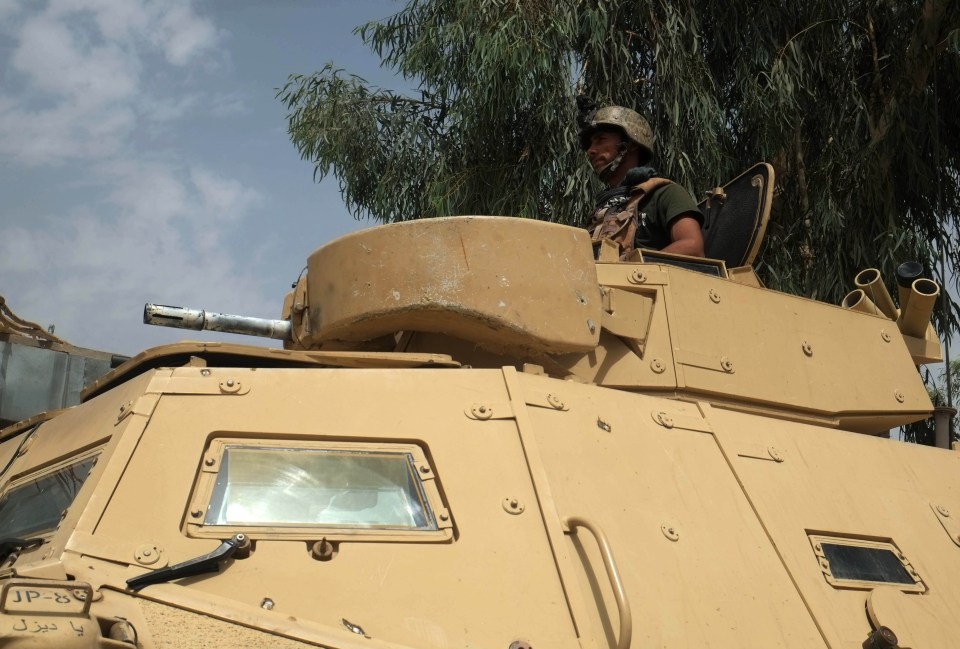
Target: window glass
(865, 564)
(35, 507)
(264, 486)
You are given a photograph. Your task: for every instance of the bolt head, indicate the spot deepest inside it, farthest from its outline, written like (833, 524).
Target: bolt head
(196, 513)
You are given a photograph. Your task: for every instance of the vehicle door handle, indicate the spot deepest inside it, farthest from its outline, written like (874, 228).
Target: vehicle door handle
(619, 594)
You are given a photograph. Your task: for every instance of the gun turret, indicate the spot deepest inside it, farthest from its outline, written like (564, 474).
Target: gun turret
(198, 320)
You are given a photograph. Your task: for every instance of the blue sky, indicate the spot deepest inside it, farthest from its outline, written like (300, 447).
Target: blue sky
(144, 158)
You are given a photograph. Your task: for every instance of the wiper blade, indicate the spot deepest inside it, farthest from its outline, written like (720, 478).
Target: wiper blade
(198, 566)
(10, 545)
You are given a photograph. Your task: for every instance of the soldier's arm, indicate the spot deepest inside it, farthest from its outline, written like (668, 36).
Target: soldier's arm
(686, 238)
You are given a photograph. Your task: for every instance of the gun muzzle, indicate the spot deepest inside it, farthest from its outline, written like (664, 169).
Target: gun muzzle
(870, 282)
(907, 273)
(858, 301)
(198, 320)
(915, 317)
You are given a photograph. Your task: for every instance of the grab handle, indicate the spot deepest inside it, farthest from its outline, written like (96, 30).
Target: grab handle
(623, 607)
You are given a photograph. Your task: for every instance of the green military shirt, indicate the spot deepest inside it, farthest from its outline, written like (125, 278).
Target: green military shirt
(656, 213)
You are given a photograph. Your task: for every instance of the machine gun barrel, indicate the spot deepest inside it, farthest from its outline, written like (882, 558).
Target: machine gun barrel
(198, 320)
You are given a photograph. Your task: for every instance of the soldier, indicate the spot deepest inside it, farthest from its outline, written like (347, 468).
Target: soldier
(638, 209)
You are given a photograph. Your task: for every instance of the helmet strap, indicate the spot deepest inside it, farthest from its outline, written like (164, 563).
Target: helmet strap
(608, 169)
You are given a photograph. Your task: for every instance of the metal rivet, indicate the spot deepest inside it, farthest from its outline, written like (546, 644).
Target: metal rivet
(424, 469)
(266, 603)
(148, 554)
(885, 336)
(513, 506)
(591, 326)
(658, 366)
(899, 396)
(669, 532)
(604, 426)
(727, 365)
(196, 513)
(210, 461)
(637, 276)
(479, 411)
(444, 516)
(520, 644)
(205, 372)
(807, 348)
(229, 383)
(714, 296)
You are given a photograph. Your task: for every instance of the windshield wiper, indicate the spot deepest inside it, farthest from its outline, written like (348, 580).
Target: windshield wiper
(198, 566)
(10, 545)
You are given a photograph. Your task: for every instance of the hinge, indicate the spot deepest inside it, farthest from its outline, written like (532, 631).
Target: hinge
(545, 400)
(673, 419)
(761, 452)
(949, 521)
(210, 381)
(144, 405)
(705, 361)
(489, 410)
(627, 315)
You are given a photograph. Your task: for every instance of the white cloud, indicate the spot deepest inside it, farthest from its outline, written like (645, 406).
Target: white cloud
(184, 36)
(79, 85)
(81, 64)
(163, 241)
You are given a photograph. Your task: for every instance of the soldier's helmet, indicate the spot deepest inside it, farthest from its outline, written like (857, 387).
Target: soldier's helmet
(629, 122)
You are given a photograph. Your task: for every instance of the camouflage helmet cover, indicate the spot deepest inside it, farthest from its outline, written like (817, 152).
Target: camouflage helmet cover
(634, 127)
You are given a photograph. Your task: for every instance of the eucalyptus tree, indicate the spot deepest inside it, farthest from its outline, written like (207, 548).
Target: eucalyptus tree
(854, 103)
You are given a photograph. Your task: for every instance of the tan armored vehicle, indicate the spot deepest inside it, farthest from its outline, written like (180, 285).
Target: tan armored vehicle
(476, 435)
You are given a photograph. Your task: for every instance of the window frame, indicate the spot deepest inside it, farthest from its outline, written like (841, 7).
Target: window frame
(95, 453)
(209, 469)
(817, 541)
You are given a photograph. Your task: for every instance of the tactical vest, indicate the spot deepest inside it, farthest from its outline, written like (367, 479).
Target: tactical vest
(621, 226)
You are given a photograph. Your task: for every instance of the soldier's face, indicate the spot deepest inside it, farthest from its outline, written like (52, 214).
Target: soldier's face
(604, 148)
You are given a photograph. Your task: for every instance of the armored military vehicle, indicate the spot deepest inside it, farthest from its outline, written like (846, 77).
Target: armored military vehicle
(478, 435)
